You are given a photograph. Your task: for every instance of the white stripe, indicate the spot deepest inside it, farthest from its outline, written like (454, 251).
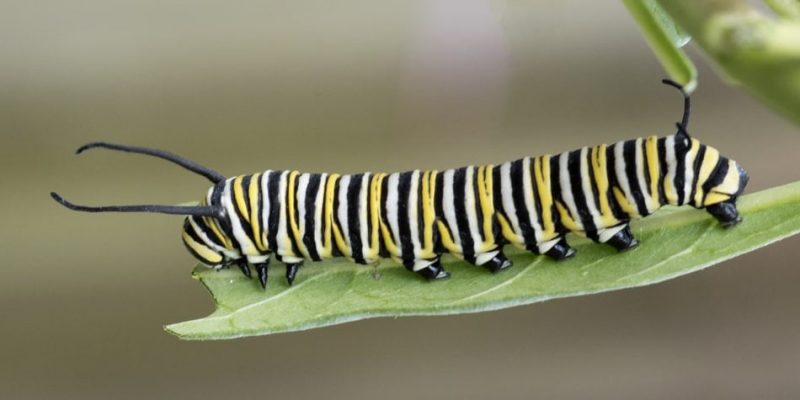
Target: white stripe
(449, 208)
(566, 189)
(413, 213)
(238, 231)
(230, 253)
(507, 194)
(672, 163)
(648, 201)
(203, 237)
(363, 215)
(472, 212)
(622, 176)
(391, 210)
(344, 184)
(530, 204)
(318, 207)
(300, 205)
(265, 207)
(586, 185)
(688, 174)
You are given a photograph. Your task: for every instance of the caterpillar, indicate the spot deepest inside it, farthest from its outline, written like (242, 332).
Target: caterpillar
(471, 212)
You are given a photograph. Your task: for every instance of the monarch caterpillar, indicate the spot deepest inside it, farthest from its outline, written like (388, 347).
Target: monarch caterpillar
(472, 212)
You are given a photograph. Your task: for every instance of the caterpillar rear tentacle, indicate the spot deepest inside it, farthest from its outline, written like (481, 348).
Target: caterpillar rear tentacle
(471, 212)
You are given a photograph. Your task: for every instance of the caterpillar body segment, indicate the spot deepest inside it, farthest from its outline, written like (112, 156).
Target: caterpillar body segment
(416, 216)
(472, 212)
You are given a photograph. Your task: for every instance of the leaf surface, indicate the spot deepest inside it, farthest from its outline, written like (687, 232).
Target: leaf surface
(674, 242)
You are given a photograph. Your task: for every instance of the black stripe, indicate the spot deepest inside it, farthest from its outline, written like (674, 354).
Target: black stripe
(537, 199)
(680, 169)
(323, 185)
(370, 203)
(335, 250)
(246, 227)
(206, 230)
(593, 181)
(698, 162)
(294, 189)
(224, 223)
(273, 189)
(613, 183)
(555, 190)
(438, 210)
(478, 209)
(353, 217)
(311, 211)
(629, 153)
(716, 177)
(289, 230)
(406, 246)
(646, 169)
(662, 172)
(420, 209)
(260, 205)
(497, 192)
(462, 222)
(384, 219)
(190, 231)
(522, 213)
(578, 195)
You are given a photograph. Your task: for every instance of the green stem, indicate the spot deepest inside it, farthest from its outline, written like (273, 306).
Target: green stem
(759, 52)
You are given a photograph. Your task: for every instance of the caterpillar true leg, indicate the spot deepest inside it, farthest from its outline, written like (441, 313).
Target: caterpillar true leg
(497, 263)
(560, 251)
(623, 239)
(245, 268)
(434, 271)
(261, 268)
(291, 271)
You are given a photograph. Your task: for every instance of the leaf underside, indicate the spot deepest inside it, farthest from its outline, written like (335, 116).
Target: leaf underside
(674, 242)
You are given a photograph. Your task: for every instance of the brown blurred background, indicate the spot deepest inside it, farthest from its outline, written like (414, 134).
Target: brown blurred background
(348, 86)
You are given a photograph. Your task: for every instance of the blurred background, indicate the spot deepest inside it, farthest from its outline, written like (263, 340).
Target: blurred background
(349, 86)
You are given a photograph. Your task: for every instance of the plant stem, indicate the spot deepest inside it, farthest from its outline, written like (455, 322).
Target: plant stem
(759, 52)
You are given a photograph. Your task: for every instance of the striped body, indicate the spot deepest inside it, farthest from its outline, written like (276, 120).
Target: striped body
(471, 212)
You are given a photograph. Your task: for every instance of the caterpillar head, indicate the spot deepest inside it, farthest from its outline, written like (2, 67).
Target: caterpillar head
(720, 190)
(209, 238)
(708, 180)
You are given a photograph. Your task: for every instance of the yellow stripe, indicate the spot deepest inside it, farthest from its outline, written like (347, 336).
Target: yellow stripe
(487, 206)
(428, 191)
(607, 218)
(709, 162)
(254, 217)
(341, 244)
(374, 216)
(729, 185)
(202, 250)
(625, 204)
(566, 218)
(212, 223)
(330, 185)
(447, 240)
(290, 195)
(508, 233)
(238, 196)
(654, 166)
(542, 173)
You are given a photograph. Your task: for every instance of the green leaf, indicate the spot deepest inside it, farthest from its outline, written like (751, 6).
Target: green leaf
(673, 243)
(785, 8)
(665, 39)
